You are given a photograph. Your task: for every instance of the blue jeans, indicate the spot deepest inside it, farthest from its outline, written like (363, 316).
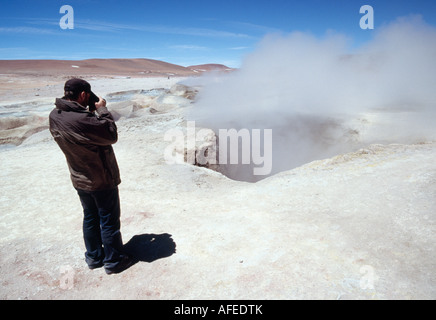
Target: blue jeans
(101, 227)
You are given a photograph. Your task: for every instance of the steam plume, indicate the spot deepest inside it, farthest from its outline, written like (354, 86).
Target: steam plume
(320, 100)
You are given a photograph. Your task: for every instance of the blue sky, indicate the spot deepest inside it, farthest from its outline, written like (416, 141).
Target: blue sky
(182, 32)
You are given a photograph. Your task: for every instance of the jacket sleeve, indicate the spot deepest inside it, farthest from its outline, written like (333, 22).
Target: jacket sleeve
(100, 129)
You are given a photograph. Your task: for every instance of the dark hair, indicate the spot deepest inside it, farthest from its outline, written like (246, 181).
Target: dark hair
(74, 87)
(71, 95)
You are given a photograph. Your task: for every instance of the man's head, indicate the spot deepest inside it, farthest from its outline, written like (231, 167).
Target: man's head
(79, 90)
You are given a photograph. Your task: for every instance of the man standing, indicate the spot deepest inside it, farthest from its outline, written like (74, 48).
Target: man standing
(86, 140)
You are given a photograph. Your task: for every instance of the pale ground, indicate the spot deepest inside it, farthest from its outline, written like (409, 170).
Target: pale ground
(356, 226)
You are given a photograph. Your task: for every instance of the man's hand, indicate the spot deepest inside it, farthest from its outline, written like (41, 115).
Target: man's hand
(100, 103)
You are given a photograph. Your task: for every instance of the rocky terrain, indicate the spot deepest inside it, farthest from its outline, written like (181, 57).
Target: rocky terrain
(359, 225)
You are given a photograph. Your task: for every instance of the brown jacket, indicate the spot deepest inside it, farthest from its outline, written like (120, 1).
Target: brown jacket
(86, 140)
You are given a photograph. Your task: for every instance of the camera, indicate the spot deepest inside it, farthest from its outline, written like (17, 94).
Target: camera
(93, 99)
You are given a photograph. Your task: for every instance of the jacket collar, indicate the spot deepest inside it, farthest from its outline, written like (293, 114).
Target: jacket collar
(67, 105)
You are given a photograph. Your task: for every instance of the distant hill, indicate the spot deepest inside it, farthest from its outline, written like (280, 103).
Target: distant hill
(103, 67)
(210, 67)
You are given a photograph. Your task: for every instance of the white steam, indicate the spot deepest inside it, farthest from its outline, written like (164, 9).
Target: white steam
(320, 100)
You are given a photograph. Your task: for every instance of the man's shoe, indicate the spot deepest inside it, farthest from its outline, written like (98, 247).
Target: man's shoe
(125, 263)
(93, 264)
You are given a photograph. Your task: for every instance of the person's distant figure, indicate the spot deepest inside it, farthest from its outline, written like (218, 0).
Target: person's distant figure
(86, 139)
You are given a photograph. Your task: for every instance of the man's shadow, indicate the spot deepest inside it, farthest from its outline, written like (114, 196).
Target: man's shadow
(150, 247)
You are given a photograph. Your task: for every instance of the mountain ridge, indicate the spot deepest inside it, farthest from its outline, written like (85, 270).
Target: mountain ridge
(100, 67)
